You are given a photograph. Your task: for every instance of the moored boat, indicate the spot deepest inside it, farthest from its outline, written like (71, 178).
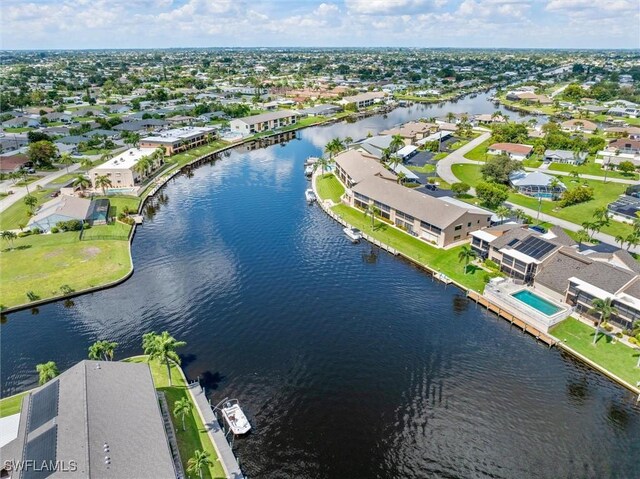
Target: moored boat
(310, 195)
(354, 234)
(235, 417)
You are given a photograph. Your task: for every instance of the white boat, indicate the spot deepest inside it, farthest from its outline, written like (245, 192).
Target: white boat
(310, 161)
(310, 195)
(235, 418)
(354, 234)
(308, 171)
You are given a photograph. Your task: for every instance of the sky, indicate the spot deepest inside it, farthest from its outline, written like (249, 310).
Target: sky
(83, 24)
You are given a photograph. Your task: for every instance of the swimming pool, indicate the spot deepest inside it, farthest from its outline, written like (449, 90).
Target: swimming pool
(536, 302)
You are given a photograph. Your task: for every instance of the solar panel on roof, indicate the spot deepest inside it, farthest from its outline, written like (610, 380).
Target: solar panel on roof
(41, 450)
(44, 405)
(513, 241)
(535, 247)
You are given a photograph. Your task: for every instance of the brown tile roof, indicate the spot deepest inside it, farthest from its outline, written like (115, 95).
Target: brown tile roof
(516, 148)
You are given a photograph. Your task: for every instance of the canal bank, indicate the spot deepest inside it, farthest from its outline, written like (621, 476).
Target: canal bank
(319, 338)
(515, 318)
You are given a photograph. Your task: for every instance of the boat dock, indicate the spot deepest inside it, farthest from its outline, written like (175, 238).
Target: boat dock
(227, 459)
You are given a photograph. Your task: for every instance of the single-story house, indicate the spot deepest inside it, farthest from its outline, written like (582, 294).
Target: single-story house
(536, 184)
(21, 122)
(579, 125)
(515, 151)
(321, 110)
(11, 163)
(625, 145)
(63, 208)
(565, 156)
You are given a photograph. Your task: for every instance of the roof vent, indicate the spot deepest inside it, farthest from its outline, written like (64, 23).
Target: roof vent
(98, 366)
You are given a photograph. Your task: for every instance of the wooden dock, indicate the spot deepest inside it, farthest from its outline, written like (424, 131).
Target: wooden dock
(523, 325)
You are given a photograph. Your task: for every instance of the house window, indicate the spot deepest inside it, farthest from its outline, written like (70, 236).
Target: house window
(457, 237)
(469, 224)
(458, 227)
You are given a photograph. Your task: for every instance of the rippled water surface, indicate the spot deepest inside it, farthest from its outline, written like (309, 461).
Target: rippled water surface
(351, 363)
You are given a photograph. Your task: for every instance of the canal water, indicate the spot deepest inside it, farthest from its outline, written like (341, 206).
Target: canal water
(351, 363)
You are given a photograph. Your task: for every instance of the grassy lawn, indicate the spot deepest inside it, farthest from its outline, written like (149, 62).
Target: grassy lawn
(616, 357)
(329, 187)
(442, 260)
(18, 213)
(43, 263)
(604, 194)
(195, 437)
(28, 180)
(427, 168)
(11, 405)
(533, 107)
(630, 121)
(95, 151)
(479, 153)
(64, 179)
(22, 129)
(116, 230)
(591, 168)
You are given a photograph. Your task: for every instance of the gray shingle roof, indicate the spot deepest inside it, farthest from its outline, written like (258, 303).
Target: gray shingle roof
(103, 402)
(557, 270)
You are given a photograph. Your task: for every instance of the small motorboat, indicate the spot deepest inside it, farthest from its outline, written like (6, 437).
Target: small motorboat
(354, 234)
(235, 418)
(310, 161)
(310, 195)
(308, 171)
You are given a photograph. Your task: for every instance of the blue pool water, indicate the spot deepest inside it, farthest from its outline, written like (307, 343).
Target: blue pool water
(536, 302)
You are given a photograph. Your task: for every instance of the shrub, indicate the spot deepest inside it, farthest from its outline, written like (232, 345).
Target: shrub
(633, 340)
(618, 334)
(24, 233)
(36, 231)
(66, 289)
(489, 276)
(460, 188)
(491, 264)
(576, 195)
(55, 230)
(71, 225)
(607, 327)
(32, 296)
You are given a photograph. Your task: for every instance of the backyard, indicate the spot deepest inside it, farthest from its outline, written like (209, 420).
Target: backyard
(329, 187)
(195, 437)
(18, 213)
(589, 167)
(44, 263)
(616, 357)
(445, 261)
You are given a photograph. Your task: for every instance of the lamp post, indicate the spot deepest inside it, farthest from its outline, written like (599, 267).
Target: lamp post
(539, 207)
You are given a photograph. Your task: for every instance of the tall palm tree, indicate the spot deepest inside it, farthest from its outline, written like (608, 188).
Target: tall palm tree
(86, 163)
(31, 202)
(401, 178)
(103, 182)
(632, 240)
(82, 181)
(604, 309)
(162, 347)
(519, 214)
(9, 236)
(334, 147)
(466, 254)
(181, 408)
(66, 160)
(198, 462)
(46, 371)
(372, 210)
(582, 236)
(621, 239)
(397, 142)
(323, 164)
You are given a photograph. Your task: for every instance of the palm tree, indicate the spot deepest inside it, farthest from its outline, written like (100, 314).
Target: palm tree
(82, 181)
(66, 160)
(104, 182)
(397, 142)
(47, 371)
(503, 212)
(347, 141)
(334, 147)
(601, 215)
(519, 214)
(372, 210)
(142, 165)
(102, 350)
(621, 239)
(450, 116)
(86, 163)
(554, 184)
(323, 164)
(198, 462)
(466, 254)
(181, 408)
(582, 236)
(9, 236)
(31, 202)
(632, 240)
(604, 309)
(162, 347)
(401, 178)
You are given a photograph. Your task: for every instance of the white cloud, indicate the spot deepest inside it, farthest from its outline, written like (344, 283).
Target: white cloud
(391, 7)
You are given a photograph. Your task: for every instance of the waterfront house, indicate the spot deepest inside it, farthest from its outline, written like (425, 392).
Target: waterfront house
(412, 131)
(515, 151)
(250, 125)
(121, 170)
(565, 156)
(438, 221)
(363, 100)
(625, 145)
(179, 139)
(97, 419)
(321, 110)
(140, 125)
(67, 208)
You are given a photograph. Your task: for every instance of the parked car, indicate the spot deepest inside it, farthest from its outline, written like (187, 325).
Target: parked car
(539, 229)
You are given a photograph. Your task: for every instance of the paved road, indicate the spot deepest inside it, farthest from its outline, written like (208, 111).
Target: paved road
(443, 167)
(20, 192)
